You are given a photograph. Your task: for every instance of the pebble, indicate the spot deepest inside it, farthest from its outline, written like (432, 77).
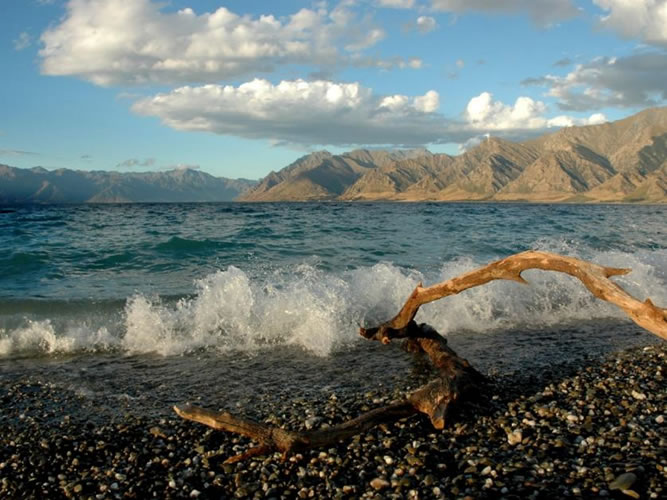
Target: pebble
(623, 482)
(379, 484)
(514, 437)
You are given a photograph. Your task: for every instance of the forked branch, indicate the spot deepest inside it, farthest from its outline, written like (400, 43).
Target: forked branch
(593, 276)
(456, 377)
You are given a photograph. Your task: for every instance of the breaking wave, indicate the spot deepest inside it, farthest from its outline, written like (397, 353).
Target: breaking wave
(318, 310)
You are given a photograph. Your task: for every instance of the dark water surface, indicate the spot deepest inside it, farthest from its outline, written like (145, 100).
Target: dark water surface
(146, 305)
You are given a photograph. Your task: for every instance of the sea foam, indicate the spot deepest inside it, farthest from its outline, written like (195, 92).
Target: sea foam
(320, 311)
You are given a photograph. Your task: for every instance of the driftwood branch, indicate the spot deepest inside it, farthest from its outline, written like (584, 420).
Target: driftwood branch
(594, 277)
(456, 378)
(276, 439)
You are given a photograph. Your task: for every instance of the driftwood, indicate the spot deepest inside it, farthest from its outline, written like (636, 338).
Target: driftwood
(456, 378)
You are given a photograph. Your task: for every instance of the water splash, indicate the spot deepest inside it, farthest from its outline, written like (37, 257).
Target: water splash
(320, 311)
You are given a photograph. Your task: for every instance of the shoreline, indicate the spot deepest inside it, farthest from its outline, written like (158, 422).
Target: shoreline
(570, 431)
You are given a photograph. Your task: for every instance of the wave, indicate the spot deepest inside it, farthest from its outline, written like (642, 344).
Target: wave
(319, 310)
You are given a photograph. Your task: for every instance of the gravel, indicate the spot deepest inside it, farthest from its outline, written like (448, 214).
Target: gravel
(595, 430)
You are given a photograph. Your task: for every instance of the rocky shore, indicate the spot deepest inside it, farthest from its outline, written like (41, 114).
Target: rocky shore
(594, 430)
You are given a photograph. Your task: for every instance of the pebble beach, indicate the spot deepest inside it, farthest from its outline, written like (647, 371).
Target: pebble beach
(587, 429)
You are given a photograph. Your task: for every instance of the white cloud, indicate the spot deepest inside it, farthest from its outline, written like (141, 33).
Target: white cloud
(637, 80)
(396, 4)
(426, 24)
(543, 12)
(473, 142)
(485, 113)
(318, 113)
(428, 103)
(642, 19)
(300, 112)
(112, 42)
(460, 63)
(23, 41)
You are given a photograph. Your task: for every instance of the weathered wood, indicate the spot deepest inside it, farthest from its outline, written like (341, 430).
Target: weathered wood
(456, 378)
(435, 399)
(276, 439)
(594, 277)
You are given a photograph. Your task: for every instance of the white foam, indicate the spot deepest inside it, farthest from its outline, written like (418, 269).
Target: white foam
(320, 311)
(42, 337)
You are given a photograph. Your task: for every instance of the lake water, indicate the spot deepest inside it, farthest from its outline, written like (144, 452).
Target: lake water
(149, 304)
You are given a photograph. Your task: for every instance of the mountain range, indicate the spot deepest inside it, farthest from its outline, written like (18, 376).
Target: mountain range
(622, 161)
(38, 185)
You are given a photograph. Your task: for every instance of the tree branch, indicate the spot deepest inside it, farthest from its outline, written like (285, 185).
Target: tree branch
(594, 277)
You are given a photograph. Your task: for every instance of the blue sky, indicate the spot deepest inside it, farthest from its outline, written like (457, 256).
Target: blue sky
(240, 88)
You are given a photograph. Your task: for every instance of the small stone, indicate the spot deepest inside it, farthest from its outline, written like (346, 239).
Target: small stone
(195, 493)
(379, 484)
(78, 488)
(515, 437)
(311, 422)
(157, 432)
(659, 419)
(388, 460)
(638, 395)
(623, 482)
(576, 491)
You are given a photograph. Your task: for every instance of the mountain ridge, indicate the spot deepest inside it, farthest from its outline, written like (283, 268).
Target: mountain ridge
(38, 185)
(621, 161)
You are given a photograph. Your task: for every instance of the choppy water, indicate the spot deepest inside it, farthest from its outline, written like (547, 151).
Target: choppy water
(212, 292)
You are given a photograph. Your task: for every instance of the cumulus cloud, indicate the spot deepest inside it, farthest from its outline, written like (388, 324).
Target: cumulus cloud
(300, 112)
(637, 80)
(111, 42)
(543, 12)
(426, 24)
(23, 41)
(485, 113)
(642, 19)
(135, 162)
(319, 113)
(473, 142)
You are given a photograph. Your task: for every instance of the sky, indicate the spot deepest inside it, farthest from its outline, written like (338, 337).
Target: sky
(238, 88)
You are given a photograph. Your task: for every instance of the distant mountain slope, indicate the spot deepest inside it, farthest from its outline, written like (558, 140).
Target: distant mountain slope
(622, 161)
(38, 185)
(323, 176)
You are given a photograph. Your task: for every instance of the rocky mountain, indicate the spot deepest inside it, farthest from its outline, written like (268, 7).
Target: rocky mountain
(622, 161)
(38, 185)
(323, 176)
